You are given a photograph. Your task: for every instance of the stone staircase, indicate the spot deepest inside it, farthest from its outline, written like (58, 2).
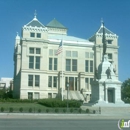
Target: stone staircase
(73, 95)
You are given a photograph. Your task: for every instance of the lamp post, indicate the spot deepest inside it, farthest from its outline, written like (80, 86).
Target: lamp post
(67, 95)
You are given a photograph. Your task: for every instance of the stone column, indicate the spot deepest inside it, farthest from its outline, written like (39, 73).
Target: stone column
(106, 95)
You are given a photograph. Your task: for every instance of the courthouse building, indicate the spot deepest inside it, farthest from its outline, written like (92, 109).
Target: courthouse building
(38, 70)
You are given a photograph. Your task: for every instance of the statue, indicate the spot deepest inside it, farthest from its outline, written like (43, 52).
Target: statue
(108, 72)
(104, 41)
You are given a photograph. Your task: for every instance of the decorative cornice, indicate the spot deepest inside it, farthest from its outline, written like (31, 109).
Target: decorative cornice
(30, 28)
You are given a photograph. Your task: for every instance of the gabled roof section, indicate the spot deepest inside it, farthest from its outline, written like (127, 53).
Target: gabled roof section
(35, 23)
(107, 31)
(55, 24)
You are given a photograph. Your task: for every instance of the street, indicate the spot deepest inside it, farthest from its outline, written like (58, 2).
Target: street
(58, 124)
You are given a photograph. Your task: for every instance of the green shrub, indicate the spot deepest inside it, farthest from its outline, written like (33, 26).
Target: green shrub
(56, 110)
(39, 110)
(71, 110)
(30, 110)
(47, 110)
(87, 110)
(59, 103)
(94, 111)
(21, 109)
(80, 110)
(2, 109)
(10, 109)
(64, 110)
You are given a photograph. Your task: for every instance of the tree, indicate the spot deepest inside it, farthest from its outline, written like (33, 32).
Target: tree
(125, 89)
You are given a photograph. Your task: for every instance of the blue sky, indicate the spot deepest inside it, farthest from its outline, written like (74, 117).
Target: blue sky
(81, 17)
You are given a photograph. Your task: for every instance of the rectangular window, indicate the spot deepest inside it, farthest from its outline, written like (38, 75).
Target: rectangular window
(31, 50)
(74, 54)
(91, 66)
(86, 65)
(86, 84)
(50, 63)
(36, 95)
(31, 62)
(37, 80)
(86, 54)
(74, 65)
(37, 65)
(109, 56)
(91, 80)
(55, 63)
(55, 81)
(32, 34)
(71, 83)
(38, 35)
(68, 64)
(109, 41)
(49, 95)
(49, 81)
(38, 51)
(30, 80)
(91, 55)
(68, 53)
(50, 52)
(76, 83)
(30, 95)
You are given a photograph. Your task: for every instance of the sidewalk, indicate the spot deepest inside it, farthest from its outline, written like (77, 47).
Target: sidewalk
(61, 116)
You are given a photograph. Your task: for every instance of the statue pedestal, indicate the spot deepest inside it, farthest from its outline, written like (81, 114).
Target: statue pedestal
(106, 91)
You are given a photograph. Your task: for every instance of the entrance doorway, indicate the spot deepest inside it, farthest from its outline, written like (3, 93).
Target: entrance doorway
(110, 95)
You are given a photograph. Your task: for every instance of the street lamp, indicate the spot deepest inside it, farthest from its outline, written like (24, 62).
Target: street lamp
(67, 94)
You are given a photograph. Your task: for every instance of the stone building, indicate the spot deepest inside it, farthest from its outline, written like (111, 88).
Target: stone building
(38, 71)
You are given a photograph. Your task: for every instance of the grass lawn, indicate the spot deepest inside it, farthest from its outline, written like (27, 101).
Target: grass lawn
(35, 107)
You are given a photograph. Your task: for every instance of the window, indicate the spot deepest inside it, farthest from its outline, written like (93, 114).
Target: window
(36, 95)
(50, 52)
(30, 95)
(91, 80)
(37, 65)
(68, 53)
(38, 51)
(74, 65)
(55, 81)
(109, 56)
(91, 66)
(49, 95)
(86, 83)
(38, 35)
(55, 63)
(86, 54)
(54, 95)
(32, 34)
(91, 55)
(109, 41)
(86, 66)
(68, 64)
(50, 63)
(50, 81)
(74, 54)
(30, 80)
(31, 62)
(37, 80)
(31, 50)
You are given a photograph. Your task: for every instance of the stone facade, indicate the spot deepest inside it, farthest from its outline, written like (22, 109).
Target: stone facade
(38, 71)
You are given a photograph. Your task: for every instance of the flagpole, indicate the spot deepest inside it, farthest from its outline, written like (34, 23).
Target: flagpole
(62, 67)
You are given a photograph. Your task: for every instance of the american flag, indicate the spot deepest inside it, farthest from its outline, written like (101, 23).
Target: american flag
(59, 48)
